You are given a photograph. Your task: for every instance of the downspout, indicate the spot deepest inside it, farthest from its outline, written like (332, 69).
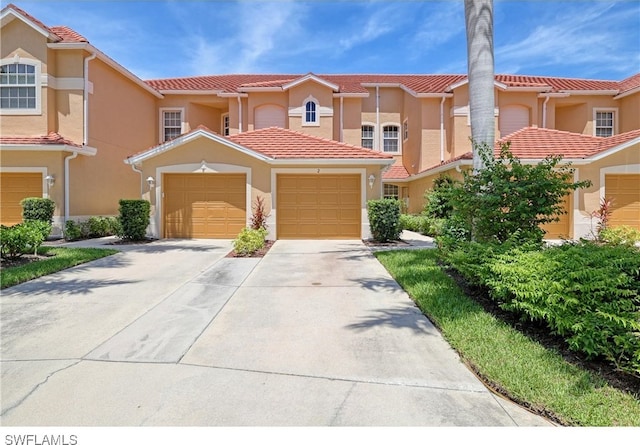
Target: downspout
(442, 129)
(239, 115)
(85, 137)
(135, 169)
(66, 185)
(544, 112)
(378, 132)
(341, 118)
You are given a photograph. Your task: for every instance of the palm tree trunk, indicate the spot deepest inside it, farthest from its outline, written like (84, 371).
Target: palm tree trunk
(479, 24)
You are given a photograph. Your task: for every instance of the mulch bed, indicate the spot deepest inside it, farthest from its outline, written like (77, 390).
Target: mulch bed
(257, 254)
(22, 260)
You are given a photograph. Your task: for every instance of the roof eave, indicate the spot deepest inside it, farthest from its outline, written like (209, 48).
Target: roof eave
(312, 77)
(628, 93)
(337, 161)
(591, 92)
(191, 92)
(84, 150)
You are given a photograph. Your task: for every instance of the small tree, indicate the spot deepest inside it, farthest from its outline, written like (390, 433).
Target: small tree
(259, 216)
(508, 198)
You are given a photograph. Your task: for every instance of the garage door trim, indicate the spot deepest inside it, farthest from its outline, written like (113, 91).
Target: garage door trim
(156, 226)
(364, 220)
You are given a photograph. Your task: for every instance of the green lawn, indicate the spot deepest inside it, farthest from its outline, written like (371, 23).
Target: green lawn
(53, 259)
(530, 374)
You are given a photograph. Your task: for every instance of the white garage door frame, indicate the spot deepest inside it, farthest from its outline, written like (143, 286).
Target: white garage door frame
(156, 223)
(365, 231)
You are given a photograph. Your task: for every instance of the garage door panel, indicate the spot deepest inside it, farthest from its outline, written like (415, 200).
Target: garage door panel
(204, 205)
(318, 206)
(14, 187)
(624, 192)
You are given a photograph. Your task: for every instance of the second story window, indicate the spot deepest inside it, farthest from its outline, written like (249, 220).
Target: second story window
(604, 123)
(390, 139)
(19, 88)
(367, 136)
(171, 124)
(310, 112)
(225, 124)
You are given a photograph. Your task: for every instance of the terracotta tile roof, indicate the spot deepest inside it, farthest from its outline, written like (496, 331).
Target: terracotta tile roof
(280, 143)
(417, 83)
(68, 35)
(396, 171)
(537, 143)
(556, 84)
(629, 83)
(64, 34)
(50, 139)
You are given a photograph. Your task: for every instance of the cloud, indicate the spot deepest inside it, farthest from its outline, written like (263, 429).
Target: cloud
(382, 21)
(579, 35)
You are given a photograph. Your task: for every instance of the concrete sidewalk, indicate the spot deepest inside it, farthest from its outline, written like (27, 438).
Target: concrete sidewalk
(173, 333)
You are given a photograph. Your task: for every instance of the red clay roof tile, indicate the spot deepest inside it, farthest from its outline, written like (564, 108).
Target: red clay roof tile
(396, 171)
(280, 143)
(50, 139)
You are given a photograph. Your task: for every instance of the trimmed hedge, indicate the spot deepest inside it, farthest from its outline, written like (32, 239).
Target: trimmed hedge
(22, 238)
(249, 241)
(134, 219)
(384, 219)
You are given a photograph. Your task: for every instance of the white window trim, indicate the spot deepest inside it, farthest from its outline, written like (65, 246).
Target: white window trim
(606, 109)
(316, 122)
(222, 127)
(39, 84)
(161, 121)
(381, 138)
(375, 132)
(397, 189)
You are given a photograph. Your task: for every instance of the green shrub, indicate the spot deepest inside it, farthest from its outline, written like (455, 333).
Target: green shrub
(415, 223)
(587, 293)
(22, 238)
(134, 219)
(508, 197)
(249, 241)
(620, 236)
(438, 199)
(384, 219)
(72, 230)
(38, 209)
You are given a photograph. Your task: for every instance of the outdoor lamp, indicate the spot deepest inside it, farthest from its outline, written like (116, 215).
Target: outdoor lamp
(151, 181)
(50, 180)
(372, 179)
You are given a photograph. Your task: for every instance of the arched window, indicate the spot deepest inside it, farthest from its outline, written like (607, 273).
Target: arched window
(310, 112)
(19, 89)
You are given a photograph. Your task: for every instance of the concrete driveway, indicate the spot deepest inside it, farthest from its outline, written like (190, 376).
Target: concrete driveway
(173, 333)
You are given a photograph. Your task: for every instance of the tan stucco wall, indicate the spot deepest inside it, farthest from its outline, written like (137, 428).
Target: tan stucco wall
(575, 113)
(324, 96)
(629, 112)
(258, 99)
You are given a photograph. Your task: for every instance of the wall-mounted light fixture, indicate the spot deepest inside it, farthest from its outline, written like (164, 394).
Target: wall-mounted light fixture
(151, 181)
(372, 179)
(50, 180)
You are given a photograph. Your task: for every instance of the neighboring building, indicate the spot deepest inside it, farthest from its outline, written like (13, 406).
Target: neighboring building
(316, 147)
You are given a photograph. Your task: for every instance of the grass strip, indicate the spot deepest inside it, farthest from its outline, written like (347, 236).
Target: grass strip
(529, 373)
(53, 259)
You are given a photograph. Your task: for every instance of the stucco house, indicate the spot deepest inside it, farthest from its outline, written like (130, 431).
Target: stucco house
(78, 127)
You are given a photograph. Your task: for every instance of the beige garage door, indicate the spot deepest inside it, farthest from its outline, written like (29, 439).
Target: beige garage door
(14, 187)
(624, 191)
(560, 229)
(318, 207)
(204, 205)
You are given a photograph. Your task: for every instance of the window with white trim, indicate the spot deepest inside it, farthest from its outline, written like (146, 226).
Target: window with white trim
(171, 124)
(19, 88)
(604, 123)
(391, 191)
(391, 139)
(405, 130)
(367, 136)
(311, 112)
(225, 124)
